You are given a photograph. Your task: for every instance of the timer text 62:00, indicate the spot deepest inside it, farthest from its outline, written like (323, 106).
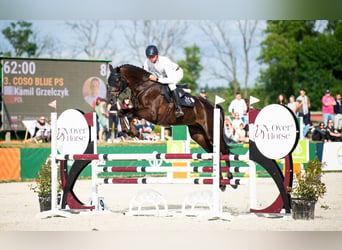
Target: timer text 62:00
(15, 67)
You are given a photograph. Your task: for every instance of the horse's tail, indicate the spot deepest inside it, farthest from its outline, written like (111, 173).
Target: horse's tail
(209, 105)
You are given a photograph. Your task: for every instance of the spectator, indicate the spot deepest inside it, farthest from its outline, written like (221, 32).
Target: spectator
(240, 135)
(203, 93)
(238, 105)
(102, 117)
(338, 112)
(229, 131)
(332, 133)
(236, 121)
(292, 104)
(167, 133)
(303, 107)
(320, 133)
(328, 103)
(113, 119)
(126, 104)
(125, 119)
(281, 99)
(249, 106)
(40, 130)
(134, 132)
(146, 129)
(47, 133)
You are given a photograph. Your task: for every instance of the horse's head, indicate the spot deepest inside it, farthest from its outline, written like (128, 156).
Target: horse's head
(115, 80)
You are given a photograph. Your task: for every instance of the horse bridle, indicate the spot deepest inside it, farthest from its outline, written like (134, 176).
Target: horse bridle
(119, 79)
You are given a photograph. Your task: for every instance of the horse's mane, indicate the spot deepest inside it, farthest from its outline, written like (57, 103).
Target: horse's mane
(136, 69)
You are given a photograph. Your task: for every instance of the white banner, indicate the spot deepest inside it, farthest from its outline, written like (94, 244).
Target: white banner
(332, 155)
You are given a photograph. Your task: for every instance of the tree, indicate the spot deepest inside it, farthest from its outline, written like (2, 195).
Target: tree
(280, 52)
(91, 41)
(166, 35)
(320, 66)
(226, 51)
(218, 34)
(20, 35)
(299, 56)
(247, 30)
(191, 66)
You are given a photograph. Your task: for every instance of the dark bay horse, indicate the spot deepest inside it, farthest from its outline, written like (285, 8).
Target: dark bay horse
(150, 104)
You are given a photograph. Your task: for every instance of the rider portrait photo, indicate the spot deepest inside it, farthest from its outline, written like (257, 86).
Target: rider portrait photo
(93, 87)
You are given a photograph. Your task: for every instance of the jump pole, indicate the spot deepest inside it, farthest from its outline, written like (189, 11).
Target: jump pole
(94, 186)
(54, 176)
(217, 209)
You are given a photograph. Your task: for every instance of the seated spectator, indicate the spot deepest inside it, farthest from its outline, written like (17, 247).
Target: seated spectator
(124, 130)
(237, 121)
(332, 133)
(167, 134)
(40, 131)
(47, 133)
(146, 129)
(229, 131)
(240, 135)
(320, 133)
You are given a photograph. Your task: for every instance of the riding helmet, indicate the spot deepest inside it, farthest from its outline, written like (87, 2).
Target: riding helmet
(151, 50)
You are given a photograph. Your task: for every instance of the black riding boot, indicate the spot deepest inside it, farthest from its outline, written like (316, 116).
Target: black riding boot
(179, 111)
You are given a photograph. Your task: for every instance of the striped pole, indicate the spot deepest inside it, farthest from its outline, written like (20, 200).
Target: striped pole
(158, 180)
(153, 156)
(157, 169)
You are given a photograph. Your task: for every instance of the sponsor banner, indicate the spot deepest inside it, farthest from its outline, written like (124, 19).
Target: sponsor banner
(275, 131)
(301, 152)
(72, 132)
(332, 155)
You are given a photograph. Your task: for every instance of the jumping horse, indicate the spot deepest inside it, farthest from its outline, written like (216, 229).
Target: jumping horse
(150, 101)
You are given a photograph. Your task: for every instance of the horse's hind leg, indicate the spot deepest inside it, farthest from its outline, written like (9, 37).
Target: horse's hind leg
(199, 136)
(224, 148)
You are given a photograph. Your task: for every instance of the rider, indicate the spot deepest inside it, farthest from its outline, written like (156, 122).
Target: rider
(165, 71)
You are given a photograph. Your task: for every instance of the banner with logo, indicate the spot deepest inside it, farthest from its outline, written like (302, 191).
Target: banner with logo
(301, 152)
(332, 155)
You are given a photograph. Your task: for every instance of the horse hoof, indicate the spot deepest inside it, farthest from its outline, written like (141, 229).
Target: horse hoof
(234, 186)
(223, 188)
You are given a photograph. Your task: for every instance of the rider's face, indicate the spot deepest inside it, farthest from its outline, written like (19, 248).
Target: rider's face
(153, 59)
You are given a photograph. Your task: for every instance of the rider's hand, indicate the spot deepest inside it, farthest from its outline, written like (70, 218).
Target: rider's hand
(153, 78)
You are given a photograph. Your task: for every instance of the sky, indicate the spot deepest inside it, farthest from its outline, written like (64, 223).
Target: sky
(57, 29)
(49, 16)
